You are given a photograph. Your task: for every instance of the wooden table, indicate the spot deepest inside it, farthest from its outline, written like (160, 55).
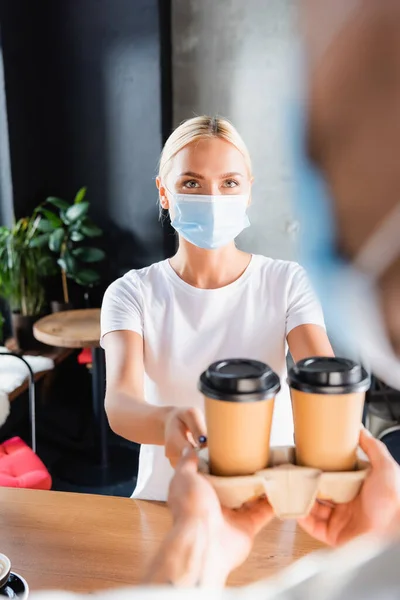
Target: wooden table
(70, 329)
(110, 465)
(85, 543)
(81, 329)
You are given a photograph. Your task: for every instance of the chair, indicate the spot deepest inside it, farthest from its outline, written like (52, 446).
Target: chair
(19, 464)
(85, 357)
(20, 467)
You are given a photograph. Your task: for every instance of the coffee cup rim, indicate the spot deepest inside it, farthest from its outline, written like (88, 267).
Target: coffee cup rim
(333, 390)
(243, 397)
(259, 383)
(332, 375)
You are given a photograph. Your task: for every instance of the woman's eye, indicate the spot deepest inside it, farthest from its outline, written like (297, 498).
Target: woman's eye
(191, 184)
(231, 183)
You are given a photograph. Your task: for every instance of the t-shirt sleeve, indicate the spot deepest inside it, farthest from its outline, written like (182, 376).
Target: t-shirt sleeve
(122, 307)
(303, 307)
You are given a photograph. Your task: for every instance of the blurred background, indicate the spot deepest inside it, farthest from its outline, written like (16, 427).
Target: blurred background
(89, 92)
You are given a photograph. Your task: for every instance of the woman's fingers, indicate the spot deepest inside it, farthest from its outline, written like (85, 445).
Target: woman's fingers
(194, 421)
(176, 449)
(186, 428)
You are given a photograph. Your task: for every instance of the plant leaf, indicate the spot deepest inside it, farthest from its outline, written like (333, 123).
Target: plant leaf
(76, 211)
(50, 216)
(76, 236)
(46, 266)
(71, 264)
(40, 241)
(61, 204)
(56, 239)
(33, 228)
(46, 226)
(91, 230)
(87, 277)
(63, 215)
(88, 255)
(80, 195)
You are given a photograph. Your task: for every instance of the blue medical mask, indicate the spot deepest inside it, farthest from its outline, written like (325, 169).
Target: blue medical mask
(347, 291)
(209, 222)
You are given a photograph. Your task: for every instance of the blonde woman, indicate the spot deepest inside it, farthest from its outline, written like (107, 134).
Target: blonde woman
(164, 324)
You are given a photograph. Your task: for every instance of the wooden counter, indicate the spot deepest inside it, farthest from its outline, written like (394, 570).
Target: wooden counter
(85, 543)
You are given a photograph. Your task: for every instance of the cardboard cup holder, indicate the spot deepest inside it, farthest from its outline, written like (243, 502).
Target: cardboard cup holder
(291, 490)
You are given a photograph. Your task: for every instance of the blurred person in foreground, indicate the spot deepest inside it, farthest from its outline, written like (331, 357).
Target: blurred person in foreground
(346, 136)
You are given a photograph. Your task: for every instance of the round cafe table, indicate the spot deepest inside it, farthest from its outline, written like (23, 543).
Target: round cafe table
(110, 465)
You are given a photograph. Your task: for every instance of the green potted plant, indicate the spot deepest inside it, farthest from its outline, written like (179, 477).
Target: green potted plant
(23, 266)
(65, 227)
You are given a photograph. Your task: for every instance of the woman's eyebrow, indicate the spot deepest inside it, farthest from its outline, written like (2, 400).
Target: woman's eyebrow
(198, 176)
(191, 174)
(232, 174)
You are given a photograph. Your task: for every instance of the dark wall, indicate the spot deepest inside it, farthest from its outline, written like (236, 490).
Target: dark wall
(84, 95)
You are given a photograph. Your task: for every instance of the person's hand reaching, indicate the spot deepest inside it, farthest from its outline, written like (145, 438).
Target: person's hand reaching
(184, 428)
(375, 510)
(227, 535)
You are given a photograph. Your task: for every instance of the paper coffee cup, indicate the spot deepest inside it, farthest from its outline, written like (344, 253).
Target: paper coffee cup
(239, 402)
(327, 399)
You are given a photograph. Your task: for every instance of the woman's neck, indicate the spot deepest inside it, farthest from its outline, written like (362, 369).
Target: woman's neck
(209, 269)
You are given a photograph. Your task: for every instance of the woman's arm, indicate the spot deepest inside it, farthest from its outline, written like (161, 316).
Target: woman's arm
(305, 330)
(129, 415)
(308, 340)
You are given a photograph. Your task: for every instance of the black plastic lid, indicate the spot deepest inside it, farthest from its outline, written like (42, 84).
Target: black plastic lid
(328, 375)
(239, 380)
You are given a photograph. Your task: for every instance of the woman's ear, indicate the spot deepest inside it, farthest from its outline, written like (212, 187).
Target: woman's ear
(162, 194)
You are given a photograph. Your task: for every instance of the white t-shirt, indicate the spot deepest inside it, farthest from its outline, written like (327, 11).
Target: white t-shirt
(185, 329)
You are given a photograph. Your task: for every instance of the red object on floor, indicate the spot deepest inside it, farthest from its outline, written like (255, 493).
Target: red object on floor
(85, 357)
(20, 467)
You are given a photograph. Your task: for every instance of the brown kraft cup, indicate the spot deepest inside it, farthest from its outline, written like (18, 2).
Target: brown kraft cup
(239, 402)
(327, 399)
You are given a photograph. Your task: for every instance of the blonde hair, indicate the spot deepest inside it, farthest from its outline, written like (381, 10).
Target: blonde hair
(196, 129)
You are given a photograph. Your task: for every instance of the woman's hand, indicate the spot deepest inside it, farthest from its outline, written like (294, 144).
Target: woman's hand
(375, 510)
(184, 428)
(222, 538)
